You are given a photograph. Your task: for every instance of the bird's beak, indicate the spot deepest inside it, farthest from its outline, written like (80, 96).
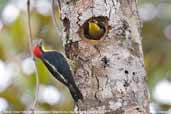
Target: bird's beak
(38, 42)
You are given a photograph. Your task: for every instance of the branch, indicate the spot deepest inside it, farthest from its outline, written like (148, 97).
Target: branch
(54, 18)
(30, 48)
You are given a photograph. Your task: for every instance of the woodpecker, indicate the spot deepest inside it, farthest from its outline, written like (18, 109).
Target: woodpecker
(59, 68)
(95, 30)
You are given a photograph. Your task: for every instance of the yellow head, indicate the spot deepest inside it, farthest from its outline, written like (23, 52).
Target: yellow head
(94, 30)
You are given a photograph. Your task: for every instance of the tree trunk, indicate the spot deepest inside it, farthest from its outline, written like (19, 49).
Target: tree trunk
(109, 71)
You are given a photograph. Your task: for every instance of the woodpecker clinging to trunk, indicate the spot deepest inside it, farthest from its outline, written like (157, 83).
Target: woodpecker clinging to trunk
(59, 68)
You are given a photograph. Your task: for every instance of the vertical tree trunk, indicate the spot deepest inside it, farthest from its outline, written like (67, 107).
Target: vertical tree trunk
(108, 71)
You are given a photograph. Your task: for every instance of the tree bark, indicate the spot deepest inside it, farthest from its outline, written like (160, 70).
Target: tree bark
(110, 72)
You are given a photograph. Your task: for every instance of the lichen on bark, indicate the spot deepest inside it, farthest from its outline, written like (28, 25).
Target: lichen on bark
(110, 73)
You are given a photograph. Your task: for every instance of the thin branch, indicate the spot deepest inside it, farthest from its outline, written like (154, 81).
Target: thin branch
(58, 2)
(30, 47)
(54, 18)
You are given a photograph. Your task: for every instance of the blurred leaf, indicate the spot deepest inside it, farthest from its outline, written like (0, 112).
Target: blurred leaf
(2, 4)
(12, 95)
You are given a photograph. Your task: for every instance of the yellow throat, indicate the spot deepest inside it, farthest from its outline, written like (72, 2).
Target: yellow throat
(94, 29)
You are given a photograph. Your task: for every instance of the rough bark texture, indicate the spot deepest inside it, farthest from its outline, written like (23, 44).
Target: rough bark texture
(109, 73)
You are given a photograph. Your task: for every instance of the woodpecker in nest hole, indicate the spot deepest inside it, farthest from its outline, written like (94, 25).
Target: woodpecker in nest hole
(94, 30)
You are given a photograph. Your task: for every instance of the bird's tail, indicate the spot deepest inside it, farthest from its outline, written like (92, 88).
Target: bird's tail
(75, 92)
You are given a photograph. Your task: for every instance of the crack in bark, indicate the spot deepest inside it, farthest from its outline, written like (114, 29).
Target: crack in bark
(105, 2)
(98, 85)
(92, 8)
(107, 80)
(114, 5)
(110, 11)
(78, 19)
(66, 23)
(106, 62)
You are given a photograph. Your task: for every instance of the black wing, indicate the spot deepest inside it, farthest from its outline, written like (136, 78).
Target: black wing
(54, 72)
(58, 66)
(58, 61)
